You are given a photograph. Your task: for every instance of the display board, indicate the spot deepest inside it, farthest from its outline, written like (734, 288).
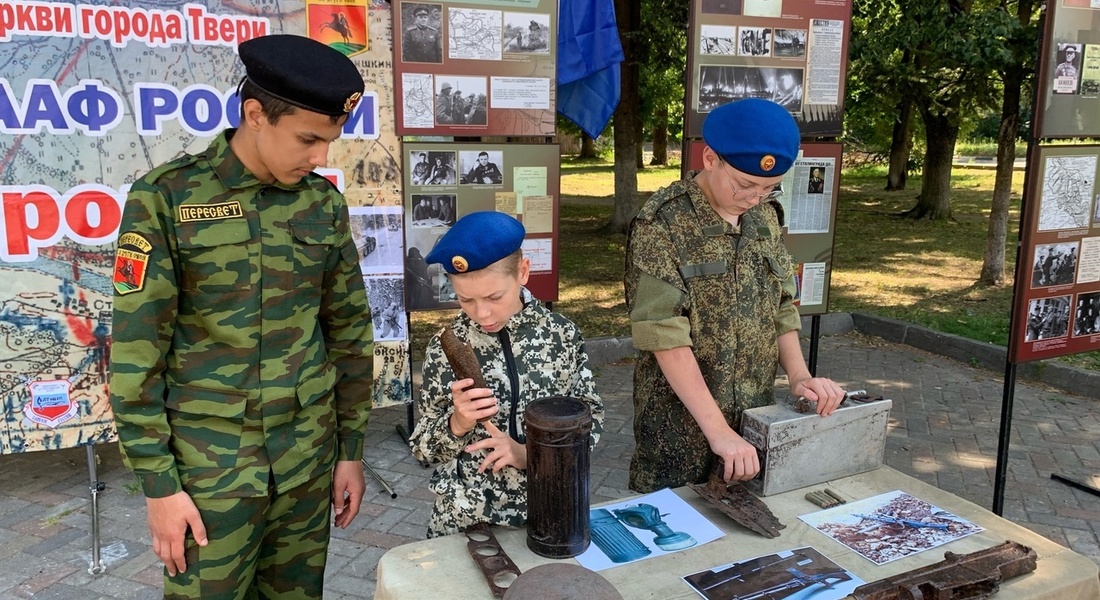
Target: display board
(1070, 70)
(476, 68)
(810, 191)
(1057, 299)
(94, 96)
(793, 52)
(448, 181)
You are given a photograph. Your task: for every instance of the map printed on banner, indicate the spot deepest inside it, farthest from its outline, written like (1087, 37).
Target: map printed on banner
(91, 98)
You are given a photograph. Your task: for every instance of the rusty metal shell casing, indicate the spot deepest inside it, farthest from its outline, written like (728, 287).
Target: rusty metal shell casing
(558, 430)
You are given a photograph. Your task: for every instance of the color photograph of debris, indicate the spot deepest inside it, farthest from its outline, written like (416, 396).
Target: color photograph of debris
(799, 574)
(890, 526)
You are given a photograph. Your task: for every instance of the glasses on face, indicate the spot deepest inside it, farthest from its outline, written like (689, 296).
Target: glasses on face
(775, 192)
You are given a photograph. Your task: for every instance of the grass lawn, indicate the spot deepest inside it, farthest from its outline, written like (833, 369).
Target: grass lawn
(917, 271)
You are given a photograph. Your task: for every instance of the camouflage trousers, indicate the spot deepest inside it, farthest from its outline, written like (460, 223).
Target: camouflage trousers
(268, 547)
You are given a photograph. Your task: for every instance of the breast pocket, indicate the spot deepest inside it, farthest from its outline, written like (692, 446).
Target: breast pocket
(313, 243)
(206, 426)
(215, 256)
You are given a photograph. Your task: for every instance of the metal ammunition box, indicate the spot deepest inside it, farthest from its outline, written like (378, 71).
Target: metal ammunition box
(799, 450)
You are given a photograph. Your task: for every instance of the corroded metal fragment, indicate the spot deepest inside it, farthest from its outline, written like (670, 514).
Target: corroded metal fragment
(739, 504)
(971, 576)
(461, 357)
(496, 565)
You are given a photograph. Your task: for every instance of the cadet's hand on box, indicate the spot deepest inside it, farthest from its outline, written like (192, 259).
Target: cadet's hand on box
(169, 518)
(503, 450)
(739, 456)
(822, 390)
(471, 405)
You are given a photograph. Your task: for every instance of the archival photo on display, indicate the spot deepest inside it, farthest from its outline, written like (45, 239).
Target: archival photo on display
(798, 574)
(718, 39)
(1086, 317)
(1067, 193)
(890, 526)
(1047, 318)
(1054, 264)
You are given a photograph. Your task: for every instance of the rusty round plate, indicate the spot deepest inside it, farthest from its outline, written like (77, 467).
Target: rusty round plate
(561, 581)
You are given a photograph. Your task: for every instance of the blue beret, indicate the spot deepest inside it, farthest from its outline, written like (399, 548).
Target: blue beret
(303, 72)
(476, 241)
(754, 136)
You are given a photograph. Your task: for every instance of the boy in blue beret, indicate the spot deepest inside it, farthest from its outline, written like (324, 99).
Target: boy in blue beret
(525, 351)
(242, 357)
(709, 286)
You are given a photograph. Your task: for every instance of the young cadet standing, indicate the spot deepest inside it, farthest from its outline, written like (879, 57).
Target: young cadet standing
(709, 287)
(242, 355)
(525, 351)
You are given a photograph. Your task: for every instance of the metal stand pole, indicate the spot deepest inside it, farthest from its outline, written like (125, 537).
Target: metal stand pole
(95, 487)
(378, 478)
(1005, 437)
(815, 339)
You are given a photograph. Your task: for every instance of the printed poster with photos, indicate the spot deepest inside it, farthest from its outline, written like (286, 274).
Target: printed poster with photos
(1057, 310)
(793, 52)
(810, 190)
(798, 574)
(1070, 70)
(478, 68)
(443, 182)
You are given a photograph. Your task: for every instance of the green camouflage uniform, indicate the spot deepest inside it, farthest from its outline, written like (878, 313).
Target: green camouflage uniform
(539, 354)
(242, 360)
(693, 279)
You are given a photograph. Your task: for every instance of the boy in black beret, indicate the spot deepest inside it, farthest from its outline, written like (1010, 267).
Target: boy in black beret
(525, 352)
(710, 287)
(242, 357)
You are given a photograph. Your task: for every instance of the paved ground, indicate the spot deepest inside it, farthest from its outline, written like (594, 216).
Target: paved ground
(943, 430)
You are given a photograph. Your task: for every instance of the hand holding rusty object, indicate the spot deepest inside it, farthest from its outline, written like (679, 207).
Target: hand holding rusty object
(462, 359)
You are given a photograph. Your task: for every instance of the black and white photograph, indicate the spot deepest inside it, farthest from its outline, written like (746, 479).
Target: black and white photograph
(754, 41)
(1068, 69)
(1086, 317)
(718, 40)
(481, 167)
(387, 306)
(420, 278)
(433, 210)
(1047, 318)
(461, 100)
(420, 169)
(422, 32)
(445, 291)
(789, 43)
(527, 33)
(378, 236)
(798, 574)
(890, 526)
(1054, 264)
(720, 84)
(721, 7)
(816, 183)
(441, 169)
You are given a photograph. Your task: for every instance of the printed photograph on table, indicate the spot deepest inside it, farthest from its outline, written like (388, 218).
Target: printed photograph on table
(378, 237)
(890, 526)
(652, 525)
(798, 574)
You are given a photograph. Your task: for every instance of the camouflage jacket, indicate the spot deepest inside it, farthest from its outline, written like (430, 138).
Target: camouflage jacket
(539, 354)
(693, 279)
(242, 342)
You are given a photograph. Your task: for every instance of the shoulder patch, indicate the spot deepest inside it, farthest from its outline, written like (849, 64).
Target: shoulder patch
(131, 263)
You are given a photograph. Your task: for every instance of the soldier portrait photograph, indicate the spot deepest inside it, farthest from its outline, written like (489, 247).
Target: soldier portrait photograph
(481, 167)
(421, 36)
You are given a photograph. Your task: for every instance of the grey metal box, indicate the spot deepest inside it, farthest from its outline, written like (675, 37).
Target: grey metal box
(799, 450)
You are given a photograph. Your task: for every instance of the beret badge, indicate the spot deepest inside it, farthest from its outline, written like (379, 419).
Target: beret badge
(460, 264)
(768, 162)
(352, 100)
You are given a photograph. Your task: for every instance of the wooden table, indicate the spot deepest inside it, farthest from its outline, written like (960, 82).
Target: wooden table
(442, 568)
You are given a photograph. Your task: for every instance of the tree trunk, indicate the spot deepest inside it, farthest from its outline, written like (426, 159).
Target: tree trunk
(941, 133)
(660, 137)
(640, 138)
(900, 146)
(627, 120)
(588, 146)
(993, 261)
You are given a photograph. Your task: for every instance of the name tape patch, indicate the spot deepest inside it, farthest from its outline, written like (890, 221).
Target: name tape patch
(209, 212)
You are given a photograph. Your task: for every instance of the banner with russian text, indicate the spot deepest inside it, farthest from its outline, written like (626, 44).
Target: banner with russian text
(92, 96)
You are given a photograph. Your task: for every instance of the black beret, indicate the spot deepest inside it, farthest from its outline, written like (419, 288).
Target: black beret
(754, 136)
(303, 72)
(476, 241)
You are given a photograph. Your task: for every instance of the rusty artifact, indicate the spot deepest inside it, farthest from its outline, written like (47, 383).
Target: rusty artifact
(499, 570)
(462, 358)
(561, 581)
(971, 576)
(739, 504)
(558, 430)
(822, 499)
